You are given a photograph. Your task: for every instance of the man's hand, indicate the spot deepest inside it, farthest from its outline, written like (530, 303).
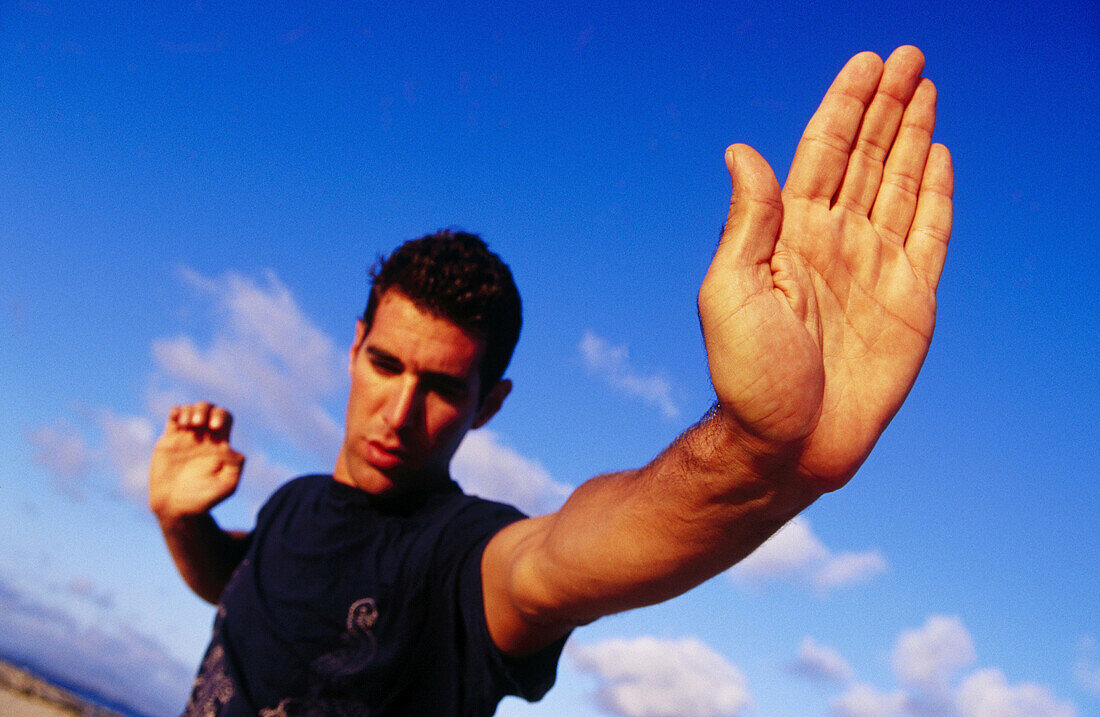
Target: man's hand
(193, 468)
(819, 305)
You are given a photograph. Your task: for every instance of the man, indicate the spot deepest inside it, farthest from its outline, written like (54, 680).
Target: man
(817, 312)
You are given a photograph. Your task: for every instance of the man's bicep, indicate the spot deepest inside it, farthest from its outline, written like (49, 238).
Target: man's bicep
(518, 607)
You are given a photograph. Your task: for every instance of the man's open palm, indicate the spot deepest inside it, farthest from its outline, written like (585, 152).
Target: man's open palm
(819, 305)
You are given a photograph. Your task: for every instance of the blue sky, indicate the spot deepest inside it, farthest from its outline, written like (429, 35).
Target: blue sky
(192, 192)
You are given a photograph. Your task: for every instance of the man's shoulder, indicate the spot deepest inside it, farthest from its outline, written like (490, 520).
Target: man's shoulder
(470, 519)
(495, 510)
(462, 501)
(308, 483)
(292, 492)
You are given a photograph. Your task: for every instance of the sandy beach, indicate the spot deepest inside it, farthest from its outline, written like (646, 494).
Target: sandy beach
(23, 694)
(18, 704)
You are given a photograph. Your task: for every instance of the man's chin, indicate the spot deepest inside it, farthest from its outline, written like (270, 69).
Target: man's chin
(361, 474)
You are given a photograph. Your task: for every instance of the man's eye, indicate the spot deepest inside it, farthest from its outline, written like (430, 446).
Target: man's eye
(448, 391)
(452, 394)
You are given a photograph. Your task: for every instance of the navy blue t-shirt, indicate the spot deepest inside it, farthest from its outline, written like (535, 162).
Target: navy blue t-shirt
(343, 607)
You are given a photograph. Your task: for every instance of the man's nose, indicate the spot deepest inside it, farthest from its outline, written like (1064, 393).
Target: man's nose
(402, 404)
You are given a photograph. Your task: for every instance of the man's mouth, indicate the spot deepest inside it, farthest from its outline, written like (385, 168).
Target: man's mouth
(385, 455)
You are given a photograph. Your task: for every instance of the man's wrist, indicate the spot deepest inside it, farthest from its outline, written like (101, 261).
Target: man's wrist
(182, 522)
(766, 468)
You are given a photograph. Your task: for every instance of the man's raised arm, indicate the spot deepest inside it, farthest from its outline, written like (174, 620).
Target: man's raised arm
(817, 312)
(192, 470)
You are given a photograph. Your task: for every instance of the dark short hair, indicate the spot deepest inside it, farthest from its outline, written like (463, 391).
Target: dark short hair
(453, 275)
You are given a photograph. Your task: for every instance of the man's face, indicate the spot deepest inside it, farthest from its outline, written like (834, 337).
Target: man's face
(414, 394)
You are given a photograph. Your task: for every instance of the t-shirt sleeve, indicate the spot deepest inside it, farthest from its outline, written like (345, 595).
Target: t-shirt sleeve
(530, 676)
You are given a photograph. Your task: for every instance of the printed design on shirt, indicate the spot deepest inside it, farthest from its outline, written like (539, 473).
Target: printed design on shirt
(317, 708)
(358, 643)
(245, 562)
(279, 710)
(361, 617)
(213, 687)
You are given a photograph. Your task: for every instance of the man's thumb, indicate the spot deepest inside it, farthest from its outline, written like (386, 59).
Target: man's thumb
(756, 208)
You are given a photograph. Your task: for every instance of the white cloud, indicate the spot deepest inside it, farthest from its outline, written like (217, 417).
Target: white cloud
(128, 444)
(925, 661)
(985, 693)
(820, 662)
(122, 450)
(265, 358)
(84, 589)
(848, 568)
(793, 550)
(927, 657)
(62, 450)
(865, 701)
(491, 470)
(648, 677)
(612, 363)
(269, 315)
(796, 553)
(1086, 669)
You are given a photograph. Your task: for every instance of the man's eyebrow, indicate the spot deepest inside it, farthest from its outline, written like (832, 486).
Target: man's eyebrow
(382, 354)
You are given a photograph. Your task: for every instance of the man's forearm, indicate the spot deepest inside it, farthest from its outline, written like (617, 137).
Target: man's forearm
(635, 538)
(205, 555)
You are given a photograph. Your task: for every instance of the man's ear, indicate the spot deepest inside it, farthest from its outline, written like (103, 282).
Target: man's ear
(360, 335)
(492, 402)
